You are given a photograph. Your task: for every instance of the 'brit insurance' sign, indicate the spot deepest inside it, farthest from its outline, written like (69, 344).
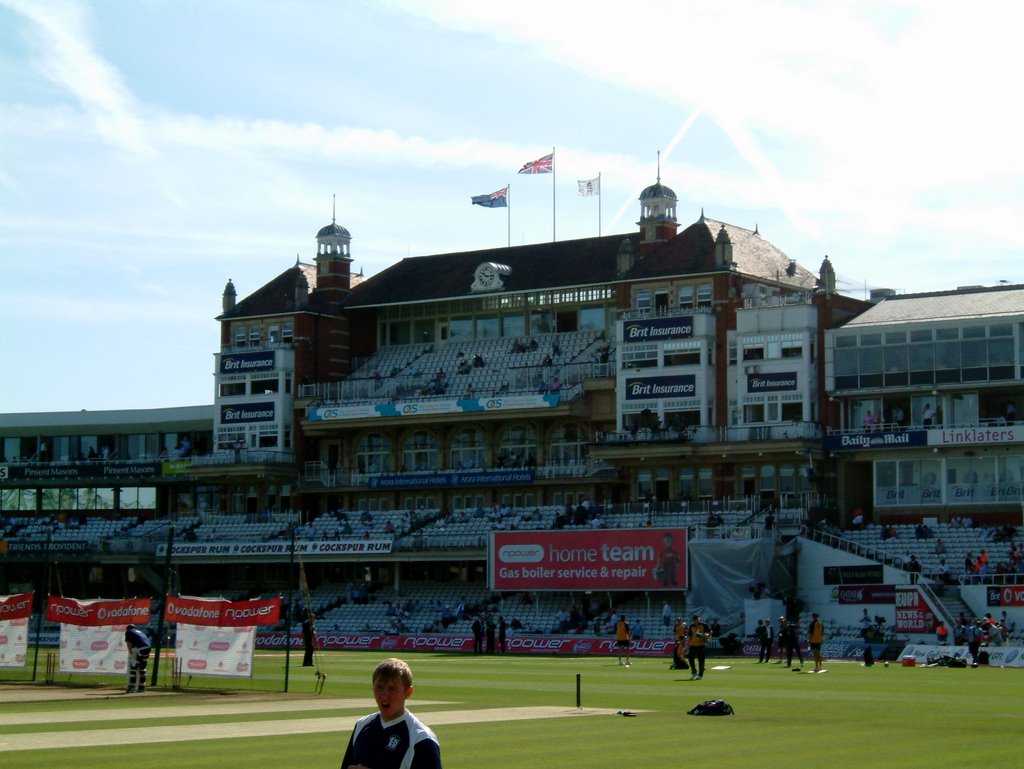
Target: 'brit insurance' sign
(775, 382)
(648, 388)
(247, 412)
(658, 329)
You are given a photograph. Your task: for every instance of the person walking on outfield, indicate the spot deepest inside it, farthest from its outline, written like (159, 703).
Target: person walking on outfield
(392, 738)
(698, 636)
(791, 633)
(623, 638)
(764, 635)
(815, 638)
(138, 655)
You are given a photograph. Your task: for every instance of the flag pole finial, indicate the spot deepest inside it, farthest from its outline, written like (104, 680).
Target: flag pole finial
(659, 166)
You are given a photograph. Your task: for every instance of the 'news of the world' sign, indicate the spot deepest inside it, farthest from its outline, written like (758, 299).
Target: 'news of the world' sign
(600, 559)
(646, 388)
(658, 329)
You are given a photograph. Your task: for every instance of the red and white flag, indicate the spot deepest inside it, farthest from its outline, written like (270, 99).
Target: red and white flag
(544, 165)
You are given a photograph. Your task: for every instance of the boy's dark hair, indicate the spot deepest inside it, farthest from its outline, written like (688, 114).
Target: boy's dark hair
(391, 669)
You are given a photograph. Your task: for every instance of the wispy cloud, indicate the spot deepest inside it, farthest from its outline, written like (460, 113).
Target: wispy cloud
(64, 52)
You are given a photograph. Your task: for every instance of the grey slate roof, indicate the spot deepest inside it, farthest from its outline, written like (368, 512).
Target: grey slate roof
(568, 263)
(974, 303)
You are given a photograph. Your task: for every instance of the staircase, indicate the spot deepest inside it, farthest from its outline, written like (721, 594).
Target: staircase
(953, 607)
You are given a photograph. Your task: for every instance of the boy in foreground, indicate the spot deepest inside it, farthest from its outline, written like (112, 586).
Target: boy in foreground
(392, 738)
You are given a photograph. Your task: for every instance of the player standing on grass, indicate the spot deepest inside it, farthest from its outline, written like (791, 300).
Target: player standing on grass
(392, 738)
(815, 638)
(138, 655)
(623, 638)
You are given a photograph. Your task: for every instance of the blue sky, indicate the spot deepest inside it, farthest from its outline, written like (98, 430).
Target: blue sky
(151, 150)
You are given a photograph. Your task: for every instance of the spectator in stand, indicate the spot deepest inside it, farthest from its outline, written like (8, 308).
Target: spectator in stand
(941, 633)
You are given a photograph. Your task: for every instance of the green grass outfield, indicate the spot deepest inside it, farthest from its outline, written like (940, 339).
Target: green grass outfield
(851, 716)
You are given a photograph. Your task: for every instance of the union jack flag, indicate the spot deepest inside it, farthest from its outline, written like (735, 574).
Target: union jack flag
(544, 165)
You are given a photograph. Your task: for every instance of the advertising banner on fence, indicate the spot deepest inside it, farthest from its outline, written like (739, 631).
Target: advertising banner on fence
(98, 649)
(864, 594)
(15, 611)
(532, 644)
(220, 612)
(92, 631)
(98, 612)
(276, 549)
(215, 651)
(599, 559)
(913, 614)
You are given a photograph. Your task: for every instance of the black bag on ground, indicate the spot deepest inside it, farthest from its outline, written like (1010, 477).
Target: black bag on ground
(712, 708)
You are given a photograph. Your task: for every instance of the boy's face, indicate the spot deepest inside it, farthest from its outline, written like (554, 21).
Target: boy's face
(390, 695)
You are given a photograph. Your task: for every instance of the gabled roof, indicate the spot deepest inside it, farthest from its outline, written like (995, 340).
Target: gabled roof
(278, 296)
(539, 266)
(692, 251)
(976, 303)
(588, 261)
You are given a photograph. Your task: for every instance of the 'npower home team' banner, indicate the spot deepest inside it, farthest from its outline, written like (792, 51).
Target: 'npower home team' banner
(598, 559)
(92, 632)
(216, 637)
(15, 611)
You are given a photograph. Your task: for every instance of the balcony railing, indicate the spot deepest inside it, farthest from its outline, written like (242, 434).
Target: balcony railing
(713, 434)
(245, 457)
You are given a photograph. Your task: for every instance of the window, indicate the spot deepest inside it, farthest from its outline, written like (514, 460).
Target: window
(373, 454)
(468, 450)
(254, 336)
(287, 332)
(686, 301)
(643, 299)
(241, 335)
(568, 444)
(231, 388)
(420, 451)
(682, 353)
(265, 385)
(517, 446)
(639, 356)
(704, 295)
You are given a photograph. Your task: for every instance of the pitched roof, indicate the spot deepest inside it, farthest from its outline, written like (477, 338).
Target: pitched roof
(692, 251)
(278, 295)
(587, 261)
(976, 303)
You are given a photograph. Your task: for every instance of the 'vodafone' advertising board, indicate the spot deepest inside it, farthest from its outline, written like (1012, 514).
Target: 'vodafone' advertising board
(600, 559)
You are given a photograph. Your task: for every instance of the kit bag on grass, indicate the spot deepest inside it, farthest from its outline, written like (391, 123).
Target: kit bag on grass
(712, 708)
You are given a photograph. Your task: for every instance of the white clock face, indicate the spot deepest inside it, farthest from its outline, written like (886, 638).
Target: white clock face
(485, 276)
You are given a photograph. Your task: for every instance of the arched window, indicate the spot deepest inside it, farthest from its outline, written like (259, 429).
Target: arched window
(373, 453)
(517, 447)
(468, 450)
(568, 444)
(420, 451)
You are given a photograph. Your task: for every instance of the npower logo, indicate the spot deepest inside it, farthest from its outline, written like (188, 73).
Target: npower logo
(521, 553)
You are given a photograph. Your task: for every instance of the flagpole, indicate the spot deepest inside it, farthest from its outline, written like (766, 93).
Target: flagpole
(553, 238)
(508, 214)
(598, 204)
